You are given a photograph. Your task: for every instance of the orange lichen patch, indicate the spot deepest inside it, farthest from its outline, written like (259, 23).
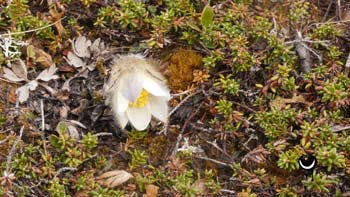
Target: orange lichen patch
(182, 63)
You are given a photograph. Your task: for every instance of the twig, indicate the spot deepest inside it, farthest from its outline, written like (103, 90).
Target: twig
(215, 145)
(338, 128)
(328, 9)
(181, 93)
(166, 124)
(189, 118)
(32, 30)
(179, 138)
(165, 128)
(228, 191)
(65, 169)
(43, 125)
(322, 42)
(338, 10)
(182, 102)
(103, 134)
(273, 31)
(330, 22)
(213, 160)
(12, 151)
(313, 51)
(4, 140)
(205, 48)
(42, 115)
(196, 126)
(303, 53)
(245, 144)
(244, 106)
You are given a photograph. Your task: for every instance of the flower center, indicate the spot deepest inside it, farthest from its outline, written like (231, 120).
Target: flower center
(141, 101)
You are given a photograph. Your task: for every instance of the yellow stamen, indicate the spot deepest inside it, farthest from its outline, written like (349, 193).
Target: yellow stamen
(141, 100)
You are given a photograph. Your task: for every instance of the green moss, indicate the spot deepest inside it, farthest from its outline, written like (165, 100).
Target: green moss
(182, 64)
(276, 122)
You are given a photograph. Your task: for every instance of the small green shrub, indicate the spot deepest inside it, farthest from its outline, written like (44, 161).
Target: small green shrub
(228, 84)
(138, 158)
(289, 160)
(275, 122)
(318, 182)
(330, 158)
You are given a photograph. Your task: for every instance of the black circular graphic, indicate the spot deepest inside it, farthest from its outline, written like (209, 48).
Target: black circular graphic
(307, 162)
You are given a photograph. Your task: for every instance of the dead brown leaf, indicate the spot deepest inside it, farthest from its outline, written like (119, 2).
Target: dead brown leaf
(347, 171)
(83, 105)
(43, 58)
(151, 191)
(113, 178)
(56, 16)
(243, 194)
(82, 193)
(257, 155)
(281, 103)
(12, 97)
(199, 185)
(39, 56)
(255, 182)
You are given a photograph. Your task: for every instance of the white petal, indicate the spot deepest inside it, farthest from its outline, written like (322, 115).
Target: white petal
(122, 119)
(155, 88)
(159, 108)
(121, 103)
(131, 86)
(139, 117)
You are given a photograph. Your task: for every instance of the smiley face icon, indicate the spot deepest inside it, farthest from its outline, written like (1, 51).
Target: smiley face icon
(307, 162)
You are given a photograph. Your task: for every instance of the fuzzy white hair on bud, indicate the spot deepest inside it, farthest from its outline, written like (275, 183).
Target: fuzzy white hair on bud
(136, 91)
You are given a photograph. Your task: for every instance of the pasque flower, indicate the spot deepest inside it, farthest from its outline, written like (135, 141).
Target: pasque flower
(135, 91)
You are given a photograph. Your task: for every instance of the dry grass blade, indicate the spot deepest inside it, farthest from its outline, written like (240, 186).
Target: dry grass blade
(114, 178)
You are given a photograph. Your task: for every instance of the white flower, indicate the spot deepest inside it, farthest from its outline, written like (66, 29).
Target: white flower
(136, 91)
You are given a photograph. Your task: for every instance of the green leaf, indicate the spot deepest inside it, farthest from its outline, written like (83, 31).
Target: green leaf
(31, 51)
(54, 140)
(62, 127)
(207, 16)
